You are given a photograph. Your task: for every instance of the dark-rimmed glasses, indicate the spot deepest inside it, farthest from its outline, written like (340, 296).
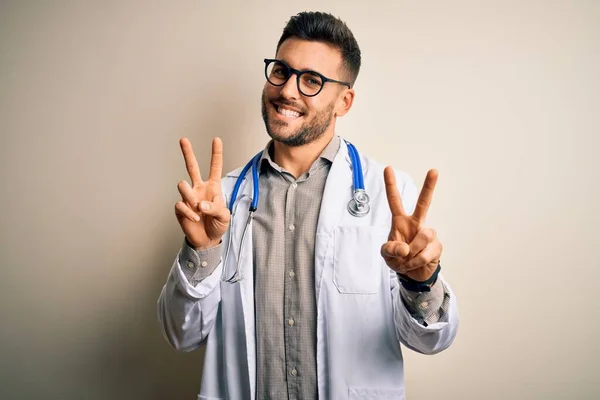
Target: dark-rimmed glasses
(310, 83)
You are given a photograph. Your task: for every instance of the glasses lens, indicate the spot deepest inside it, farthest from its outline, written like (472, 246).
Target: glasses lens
(310, 83)
(277, 73)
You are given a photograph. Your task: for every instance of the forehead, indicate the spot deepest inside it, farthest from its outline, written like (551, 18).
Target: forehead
(317, 56)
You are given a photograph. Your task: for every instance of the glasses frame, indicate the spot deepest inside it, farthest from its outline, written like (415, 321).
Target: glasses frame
(298, 74)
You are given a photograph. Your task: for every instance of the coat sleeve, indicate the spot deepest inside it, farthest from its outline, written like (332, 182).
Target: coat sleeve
(187, 312)
(414, 334)
(187, 308)
(420, 337)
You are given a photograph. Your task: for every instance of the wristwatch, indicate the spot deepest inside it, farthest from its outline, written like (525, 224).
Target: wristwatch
(417, 286)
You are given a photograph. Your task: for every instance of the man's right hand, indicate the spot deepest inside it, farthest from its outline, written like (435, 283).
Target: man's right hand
(202, 213)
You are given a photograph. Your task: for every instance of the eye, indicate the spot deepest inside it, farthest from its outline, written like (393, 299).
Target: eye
(277, 71)
(311, 80)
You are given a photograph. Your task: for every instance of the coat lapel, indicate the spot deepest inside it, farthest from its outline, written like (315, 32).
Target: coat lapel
(246, 285)
(337, 193)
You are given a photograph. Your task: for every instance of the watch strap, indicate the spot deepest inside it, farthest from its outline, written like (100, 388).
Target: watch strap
(418, 286)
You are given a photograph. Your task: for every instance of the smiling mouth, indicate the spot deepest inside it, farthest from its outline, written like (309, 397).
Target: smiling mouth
(286, 112)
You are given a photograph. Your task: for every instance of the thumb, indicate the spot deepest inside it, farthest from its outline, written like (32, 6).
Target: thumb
(400, 249)
(214, 210)
(395, 249)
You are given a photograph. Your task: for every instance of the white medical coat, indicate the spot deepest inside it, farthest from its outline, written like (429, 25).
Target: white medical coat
(361, 319)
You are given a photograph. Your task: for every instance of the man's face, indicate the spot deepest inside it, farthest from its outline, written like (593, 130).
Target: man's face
(290, 117)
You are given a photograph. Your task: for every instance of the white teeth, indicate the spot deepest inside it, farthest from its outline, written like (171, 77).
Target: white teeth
(288, 113)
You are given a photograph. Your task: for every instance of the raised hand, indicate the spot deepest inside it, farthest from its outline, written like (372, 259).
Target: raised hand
(412, 249)
(202, 212)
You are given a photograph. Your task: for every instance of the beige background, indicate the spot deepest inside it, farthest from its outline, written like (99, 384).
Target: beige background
(501, 96)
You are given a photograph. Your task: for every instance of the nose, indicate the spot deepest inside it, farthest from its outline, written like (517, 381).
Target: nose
(290, 89)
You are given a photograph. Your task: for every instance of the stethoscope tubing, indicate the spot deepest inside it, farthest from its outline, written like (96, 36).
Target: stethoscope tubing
(359, 183)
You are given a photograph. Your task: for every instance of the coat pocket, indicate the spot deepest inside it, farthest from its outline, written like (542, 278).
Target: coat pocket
(375, 394)
(357, 261)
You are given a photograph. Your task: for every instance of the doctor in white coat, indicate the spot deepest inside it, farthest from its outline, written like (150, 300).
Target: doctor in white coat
(377, 281)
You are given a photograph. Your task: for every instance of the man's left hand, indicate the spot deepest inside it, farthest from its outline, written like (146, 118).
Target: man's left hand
(412, 249)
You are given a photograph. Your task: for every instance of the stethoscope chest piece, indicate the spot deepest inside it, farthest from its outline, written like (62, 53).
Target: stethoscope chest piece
(359, 206)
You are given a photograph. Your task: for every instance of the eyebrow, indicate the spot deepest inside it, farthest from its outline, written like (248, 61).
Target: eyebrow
(301, 70)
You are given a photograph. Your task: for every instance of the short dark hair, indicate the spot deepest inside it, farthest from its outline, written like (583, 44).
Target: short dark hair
(324, 27)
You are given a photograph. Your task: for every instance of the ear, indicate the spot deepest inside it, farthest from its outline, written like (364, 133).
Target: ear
(344, 102)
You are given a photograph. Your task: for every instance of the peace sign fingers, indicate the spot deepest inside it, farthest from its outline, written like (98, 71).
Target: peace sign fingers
(202, 213)
(411, 248)
(393, 196)
(426, 196)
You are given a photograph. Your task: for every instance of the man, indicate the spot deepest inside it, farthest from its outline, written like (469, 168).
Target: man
(311, 301)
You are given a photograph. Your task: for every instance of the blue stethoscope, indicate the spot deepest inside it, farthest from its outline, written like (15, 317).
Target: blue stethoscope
(358, 206)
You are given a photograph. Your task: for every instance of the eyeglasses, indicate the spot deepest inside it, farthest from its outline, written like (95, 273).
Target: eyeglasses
(310, 83)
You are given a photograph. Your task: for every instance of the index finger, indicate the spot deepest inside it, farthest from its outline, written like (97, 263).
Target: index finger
(216, 160)
(190, 161)
(393, 196)
(426, 195)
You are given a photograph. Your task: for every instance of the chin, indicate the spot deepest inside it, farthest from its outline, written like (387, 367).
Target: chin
(279, 134)
(281, 130)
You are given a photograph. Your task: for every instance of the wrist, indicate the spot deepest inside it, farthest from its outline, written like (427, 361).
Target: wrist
(202, 246)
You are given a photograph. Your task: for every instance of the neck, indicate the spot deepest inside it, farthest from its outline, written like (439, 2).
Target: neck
(297, 160)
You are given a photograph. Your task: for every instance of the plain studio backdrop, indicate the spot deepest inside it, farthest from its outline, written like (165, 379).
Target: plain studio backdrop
(502, 97)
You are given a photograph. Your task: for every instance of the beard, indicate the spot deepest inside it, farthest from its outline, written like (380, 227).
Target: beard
(311, 130)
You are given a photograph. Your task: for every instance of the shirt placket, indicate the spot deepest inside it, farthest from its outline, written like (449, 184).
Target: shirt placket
(291, 296)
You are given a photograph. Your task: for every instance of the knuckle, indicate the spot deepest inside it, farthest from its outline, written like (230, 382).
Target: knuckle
(384, 252)
(428, 234)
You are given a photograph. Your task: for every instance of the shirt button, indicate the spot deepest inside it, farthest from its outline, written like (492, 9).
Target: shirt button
(190, 265)
(294, 185)
(291, 322)
(294, 372)
(292, 274)
(423, 305)
(292, 227)
(204, 264)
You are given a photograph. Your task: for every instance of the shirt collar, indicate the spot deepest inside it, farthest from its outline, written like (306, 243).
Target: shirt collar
(328, 153)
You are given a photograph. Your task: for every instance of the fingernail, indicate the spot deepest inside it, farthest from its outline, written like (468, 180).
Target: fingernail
(196, 218)
(204, 205)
